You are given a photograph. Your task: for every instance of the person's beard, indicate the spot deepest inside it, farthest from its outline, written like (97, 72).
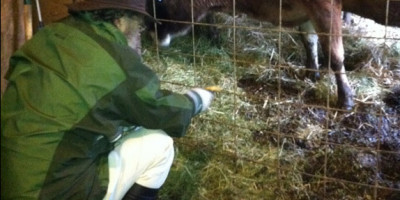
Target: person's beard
(130, 27)
(134, 41)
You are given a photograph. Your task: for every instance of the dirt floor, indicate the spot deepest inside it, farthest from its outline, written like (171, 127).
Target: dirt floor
(373, 127)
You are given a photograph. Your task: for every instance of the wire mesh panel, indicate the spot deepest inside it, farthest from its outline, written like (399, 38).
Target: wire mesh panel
(274, 132)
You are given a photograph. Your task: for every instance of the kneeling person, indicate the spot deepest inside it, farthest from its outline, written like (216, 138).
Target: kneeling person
(82, 116)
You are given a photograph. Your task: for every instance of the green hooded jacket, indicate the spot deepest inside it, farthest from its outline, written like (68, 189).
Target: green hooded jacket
(71, 89)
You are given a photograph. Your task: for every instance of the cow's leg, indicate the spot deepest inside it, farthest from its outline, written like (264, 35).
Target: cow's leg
(310, 42)
(326, 18)
(213, 33)
(347, 18)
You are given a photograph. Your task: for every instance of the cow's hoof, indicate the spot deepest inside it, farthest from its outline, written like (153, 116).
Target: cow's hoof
(346, 105)
(313, 76)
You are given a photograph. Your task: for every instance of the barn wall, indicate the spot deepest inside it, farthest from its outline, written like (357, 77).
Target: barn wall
(54, 10)
(13, 29)
(12, 33)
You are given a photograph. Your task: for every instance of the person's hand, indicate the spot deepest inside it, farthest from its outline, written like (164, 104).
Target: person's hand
(201, 98)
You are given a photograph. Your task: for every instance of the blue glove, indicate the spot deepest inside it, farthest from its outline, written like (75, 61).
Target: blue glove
(201, 99)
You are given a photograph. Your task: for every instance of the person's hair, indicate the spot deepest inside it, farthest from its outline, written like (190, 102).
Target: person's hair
(108, 15)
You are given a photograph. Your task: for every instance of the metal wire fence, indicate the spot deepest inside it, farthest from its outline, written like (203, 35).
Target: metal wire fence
(272, 133)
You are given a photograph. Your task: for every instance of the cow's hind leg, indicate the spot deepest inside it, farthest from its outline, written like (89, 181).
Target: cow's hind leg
(310, 42)
(213, 32)
(326, 18)
(347, 18)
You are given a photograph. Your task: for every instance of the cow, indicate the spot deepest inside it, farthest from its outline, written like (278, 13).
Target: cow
(318, 19)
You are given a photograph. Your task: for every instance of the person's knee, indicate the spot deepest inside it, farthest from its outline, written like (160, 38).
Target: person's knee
(156, 144)
(169, 149)
(160, 153)
(145, 138)
(164, 146)
(165, 143)
(159, 141)
(143, 157)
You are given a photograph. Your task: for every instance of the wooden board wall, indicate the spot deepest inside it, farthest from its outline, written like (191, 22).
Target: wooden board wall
(13, 26)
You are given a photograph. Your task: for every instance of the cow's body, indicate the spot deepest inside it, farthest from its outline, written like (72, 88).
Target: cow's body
(324, 15)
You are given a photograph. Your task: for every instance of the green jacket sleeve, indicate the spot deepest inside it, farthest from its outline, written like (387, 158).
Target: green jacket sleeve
(138, 99)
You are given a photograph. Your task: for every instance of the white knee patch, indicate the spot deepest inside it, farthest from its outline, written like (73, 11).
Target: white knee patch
(142, 156)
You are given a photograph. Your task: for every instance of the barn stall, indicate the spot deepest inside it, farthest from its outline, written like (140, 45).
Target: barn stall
(271, 133)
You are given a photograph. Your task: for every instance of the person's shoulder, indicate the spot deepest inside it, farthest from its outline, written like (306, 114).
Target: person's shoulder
(55, 25)
(67, 26)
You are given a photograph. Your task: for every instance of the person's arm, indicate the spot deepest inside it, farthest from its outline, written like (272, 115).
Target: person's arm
(141, 101)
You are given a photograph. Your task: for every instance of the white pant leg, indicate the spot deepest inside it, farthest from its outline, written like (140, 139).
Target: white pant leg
(144, 157)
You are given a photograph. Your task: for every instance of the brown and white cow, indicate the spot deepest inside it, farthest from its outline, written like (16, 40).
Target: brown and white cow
(316, 17)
